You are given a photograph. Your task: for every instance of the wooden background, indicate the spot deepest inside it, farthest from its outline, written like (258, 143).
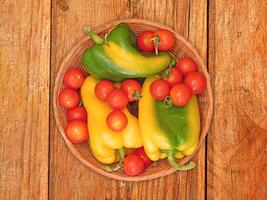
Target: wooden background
(231, 36)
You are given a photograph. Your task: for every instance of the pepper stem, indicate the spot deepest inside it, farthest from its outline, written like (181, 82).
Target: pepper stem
(94, 36)
(112, 168)
(121, 153)
(174, 164)
(116, 166)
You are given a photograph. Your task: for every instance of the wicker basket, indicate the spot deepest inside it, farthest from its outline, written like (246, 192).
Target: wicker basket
(82, 152)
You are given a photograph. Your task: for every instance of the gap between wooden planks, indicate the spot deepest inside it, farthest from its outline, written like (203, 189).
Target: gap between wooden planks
(24, 98)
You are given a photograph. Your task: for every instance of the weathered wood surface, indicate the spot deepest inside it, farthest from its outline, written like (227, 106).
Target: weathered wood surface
(237, 142)
(24, 98)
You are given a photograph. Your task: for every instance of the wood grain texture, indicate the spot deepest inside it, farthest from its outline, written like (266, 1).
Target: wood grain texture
(24, 96)
(68, 177)
(237, 162)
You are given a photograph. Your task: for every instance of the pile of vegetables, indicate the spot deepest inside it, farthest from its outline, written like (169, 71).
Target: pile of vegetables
(138, 105)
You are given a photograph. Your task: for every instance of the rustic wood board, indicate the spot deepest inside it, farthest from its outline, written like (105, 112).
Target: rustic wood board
(237, 142)
(24, 96)
(80, 182)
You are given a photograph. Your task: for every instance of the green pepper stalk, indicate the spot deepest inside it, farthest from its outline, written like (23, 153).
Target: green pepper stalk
(116, 166)
(172, 160)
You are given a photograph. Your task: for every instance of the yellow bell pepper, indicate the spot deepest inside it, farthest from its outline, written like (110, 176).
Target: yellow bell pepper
(103, 141)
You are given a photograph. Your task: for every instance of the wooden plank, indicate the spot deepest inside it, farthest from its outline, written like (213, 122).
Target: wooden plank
(237, 147)
(24, 94)
(68, 177)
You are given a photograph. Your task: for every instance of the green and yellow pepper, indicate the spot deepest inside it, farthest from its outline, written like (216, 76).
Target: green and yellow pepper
(103, 141)
(117, 58)
(168, 132)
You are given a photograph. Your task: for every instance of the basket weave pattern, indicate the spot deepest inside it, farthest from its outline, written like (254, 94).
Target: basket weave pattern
(73, 59)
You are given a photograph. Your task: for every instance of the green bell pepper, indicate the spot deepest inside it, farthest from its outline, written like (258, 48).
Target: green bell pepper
(116, 58)
(168, 131)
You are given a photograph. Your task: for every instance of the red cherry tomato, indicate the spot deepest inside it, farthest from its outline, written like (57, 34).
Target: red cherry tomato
(77, 132)
(196, 81)
(166, 39)
(69, 98)
(117, 120)
(74, 78)
(186, 65)
(159, 89)
(76, 113)
(145, 41)
(132, 88)
(133, 165)
(103, 88)
(180, 94)
(142, 154)
(173, 77)
(117, 99)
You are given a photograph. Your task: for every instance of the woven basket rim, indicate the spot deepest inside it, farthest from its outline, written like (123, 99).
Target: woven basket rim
(204, 128)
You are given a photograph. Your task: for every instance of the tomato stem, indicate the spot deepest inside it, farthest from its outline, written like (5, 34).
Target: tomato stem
(156, 41)
(167, 71)
(168, 102)
(136, 95)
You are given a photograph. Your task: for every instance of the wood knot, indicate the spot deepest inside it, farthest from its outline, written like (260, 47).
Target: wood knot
(63, 5)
